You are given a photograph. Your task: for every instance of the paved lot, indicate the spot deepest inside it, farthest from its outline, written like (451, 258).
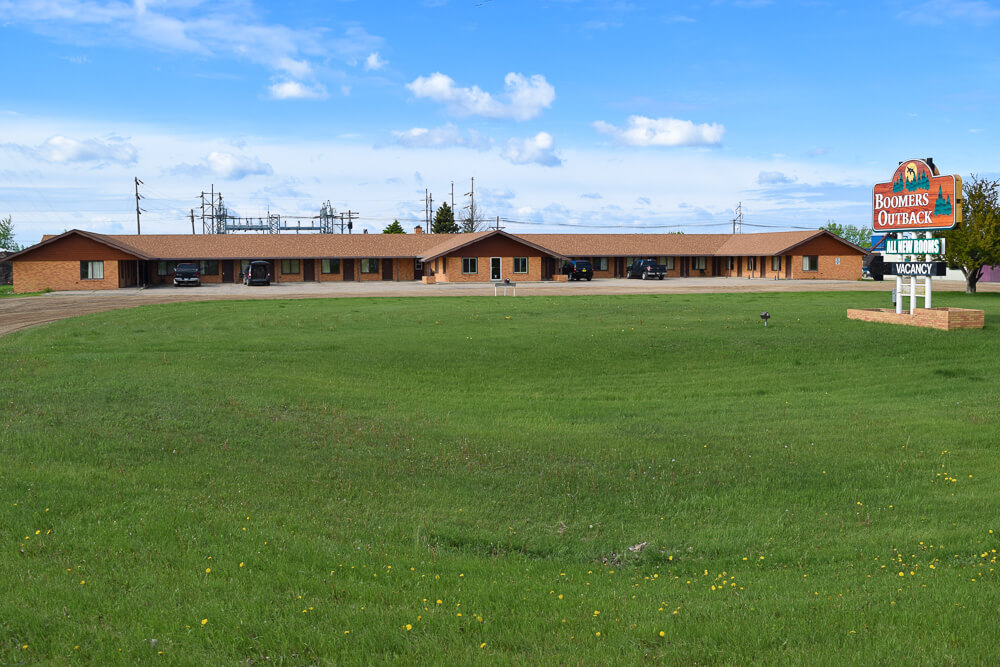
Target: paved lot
(20, 313)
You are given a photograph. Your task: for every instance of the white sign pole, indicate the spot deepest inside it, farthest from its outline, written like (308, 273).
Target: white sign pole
(927, 292)
(913, 295)
(899, 295)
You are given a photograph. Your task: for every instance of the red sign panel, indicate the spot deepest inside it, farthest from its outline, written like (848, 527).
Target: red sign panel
(916, 200)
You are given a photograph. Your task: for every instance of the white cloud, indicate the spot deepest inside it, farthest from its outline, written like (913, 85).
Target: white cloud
(524, 97)
(446, 136)
(533, 150)
(972, 12)
(219, 29)
(66, 150)
(642, 131)
(227, 166)
(293, 90)
(774, 178)
(374, 62)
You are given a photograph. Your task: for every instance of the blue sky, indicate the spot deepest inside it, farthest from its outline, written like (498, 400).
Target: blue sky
(587, 114)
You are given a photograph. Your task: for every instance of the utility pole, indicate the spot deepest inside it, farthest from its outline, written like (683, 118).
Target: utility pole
(192, 222)
(738, 220)
(138, 227)
(471, 194)
(203, 212)
(453, 197)
(350, 220)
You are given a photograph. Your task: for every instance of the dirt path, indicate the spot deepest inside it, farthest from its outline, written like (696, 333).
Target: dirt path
(20, 313)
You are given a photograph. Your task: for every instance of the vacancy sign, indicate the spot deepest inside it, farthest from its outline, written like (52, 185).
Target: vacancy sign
(916, 200)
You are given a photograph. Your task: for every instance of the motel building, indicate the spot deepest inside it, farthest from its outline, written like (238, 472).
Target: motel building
(81, 260)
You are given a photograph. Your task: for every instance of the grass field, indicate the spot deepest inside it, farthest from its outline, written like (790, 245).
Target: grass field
(459, 479)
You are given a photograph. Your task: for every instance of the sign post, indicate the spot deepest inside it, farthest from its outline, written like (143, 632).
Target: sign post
(917, 199)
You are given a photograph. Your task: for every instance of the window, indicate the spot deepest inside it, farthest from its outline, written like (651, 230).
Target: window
(470, 265)
(209, 267)
(289, 267)
(329, 266)
(776, 263)
(92, 270)
(810, 262)
(165, 268)
(600, 263)
(698, 263)
(669, 263)
(520, 265)
(751, 263)
(369, 265)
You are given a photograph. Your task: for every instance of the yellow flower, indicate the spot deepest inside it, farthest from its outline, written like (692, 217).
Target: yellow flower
(204, 621)
(483, 645)
(662, 633)
(207, 570)
(408, 627)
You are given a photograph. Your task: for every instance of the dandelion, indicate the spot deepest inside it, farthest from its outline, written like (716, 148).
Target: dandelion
(662, 633)
(483, 645)
(207, 570)
(408, 627)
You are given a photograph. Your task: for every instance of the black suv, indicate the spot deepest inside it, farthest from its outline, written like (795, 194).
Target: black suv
(579, 268)
(258, 273)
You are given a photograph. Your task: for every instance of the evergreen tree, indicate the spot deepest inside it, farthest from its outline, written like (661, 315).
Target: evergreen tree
(444, 221)
(394, 228)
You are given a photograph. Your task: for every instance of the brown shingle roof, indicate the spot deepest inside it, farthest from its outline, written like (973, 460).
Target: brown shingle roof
(459, 241)
(279, 246)
(629, 245)
(429, 246)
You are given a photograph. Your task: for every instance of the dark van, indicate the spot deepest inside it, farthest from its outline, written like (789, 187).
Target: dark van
(258, 273)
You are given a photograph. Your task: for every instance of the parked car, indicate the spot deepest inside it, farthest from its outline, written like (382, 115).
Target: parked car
(257, 273)
(187, 273)
(646, 269)
(579, 268)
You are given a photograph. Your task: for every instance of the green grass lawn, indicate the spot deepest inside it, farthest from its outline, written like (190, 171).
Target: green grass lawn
(8, 291)
(456, 479)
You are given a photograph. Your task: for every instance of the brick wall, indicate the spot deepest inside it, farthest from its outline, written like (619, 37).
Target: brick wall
(451, 270)
(945, 319)
(60, 276)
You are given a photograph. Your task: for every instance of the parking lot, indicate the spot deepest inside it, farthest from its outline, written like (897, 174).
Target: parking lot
(19, 313)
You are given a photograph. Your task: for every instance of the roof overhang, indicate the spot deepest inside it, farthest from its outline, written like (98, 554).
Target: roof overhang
(458, 244)
(97, 238)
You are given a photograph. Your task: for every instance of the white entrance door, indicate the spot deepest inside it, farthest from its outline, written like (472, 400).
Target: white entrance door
(494, 268)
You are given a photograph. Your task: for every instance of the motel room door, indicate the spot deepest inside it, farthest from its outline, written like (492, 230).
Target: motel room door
(347, 266)
(227, 270)
(494, 268)
(309, 270)
(386, 269)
